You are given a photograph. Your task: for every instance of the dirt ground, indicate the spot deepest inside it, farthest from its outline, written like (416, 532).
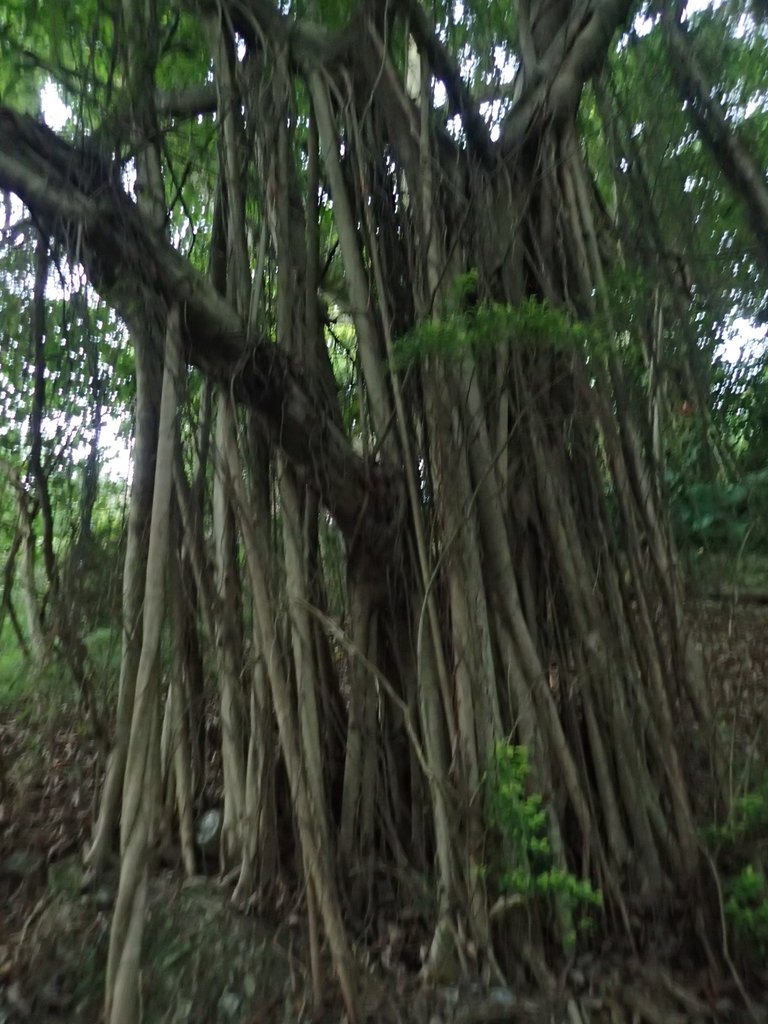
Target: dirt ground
(203, 963)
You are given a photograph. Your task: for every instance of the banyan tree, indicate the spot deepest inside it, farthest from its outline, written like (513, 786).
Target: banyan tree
(398, 501)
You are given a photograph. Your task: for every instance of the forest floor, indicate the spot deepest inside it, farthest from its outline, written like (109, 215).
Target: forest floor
(203, 963)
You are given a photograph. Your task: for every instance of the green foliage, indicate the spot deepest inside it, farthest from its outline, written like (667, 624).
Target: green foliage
(525, 864)
(746, 908)
(717, 515)
(654, 137)
(484, 326)
(741, 408)
(13, 670)
(740, 842)
(748, 819)
(51, 684)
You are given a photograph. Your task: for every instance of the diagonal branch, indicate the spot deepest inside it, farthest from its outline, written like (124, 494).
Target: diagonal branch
(724, 141)
(444, 67)
(74, 197)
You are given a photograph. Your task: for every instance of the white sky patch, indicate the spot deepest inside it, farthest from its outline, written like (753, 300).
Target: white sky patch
(743, 340)
(116, 452)
(644, 24)
(16, 212)
(55, 112)
(128, 178)
(694, 6)
(506, 63)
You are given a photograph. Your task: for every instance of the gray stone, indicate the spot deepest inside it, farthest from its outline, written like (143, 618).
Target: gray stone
(229, 1004)
(208, 831)
(183, 1013)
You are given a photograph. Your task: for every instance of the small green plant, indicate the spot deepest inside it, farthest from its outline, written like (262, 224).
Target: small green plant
(526, 865)
(485, 325)
(746, 908)
(720, 515)
(739, 844)
(748, 819)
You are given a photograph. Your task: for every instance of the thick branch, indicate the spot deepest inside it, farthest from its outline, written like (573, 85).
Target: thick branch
(553, 85)
(311, 45)
(75, 198)
(734, 159)
(444, 67)
(187, 102)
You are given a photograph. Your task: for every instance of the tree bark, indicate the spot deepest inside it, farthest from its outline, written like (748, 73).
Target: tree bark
(141, 789)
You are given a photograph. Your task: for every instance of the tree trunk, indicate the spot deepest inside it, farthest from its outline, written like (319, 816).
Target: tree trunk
(472, 507)
(134, 572)
(141, 788)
